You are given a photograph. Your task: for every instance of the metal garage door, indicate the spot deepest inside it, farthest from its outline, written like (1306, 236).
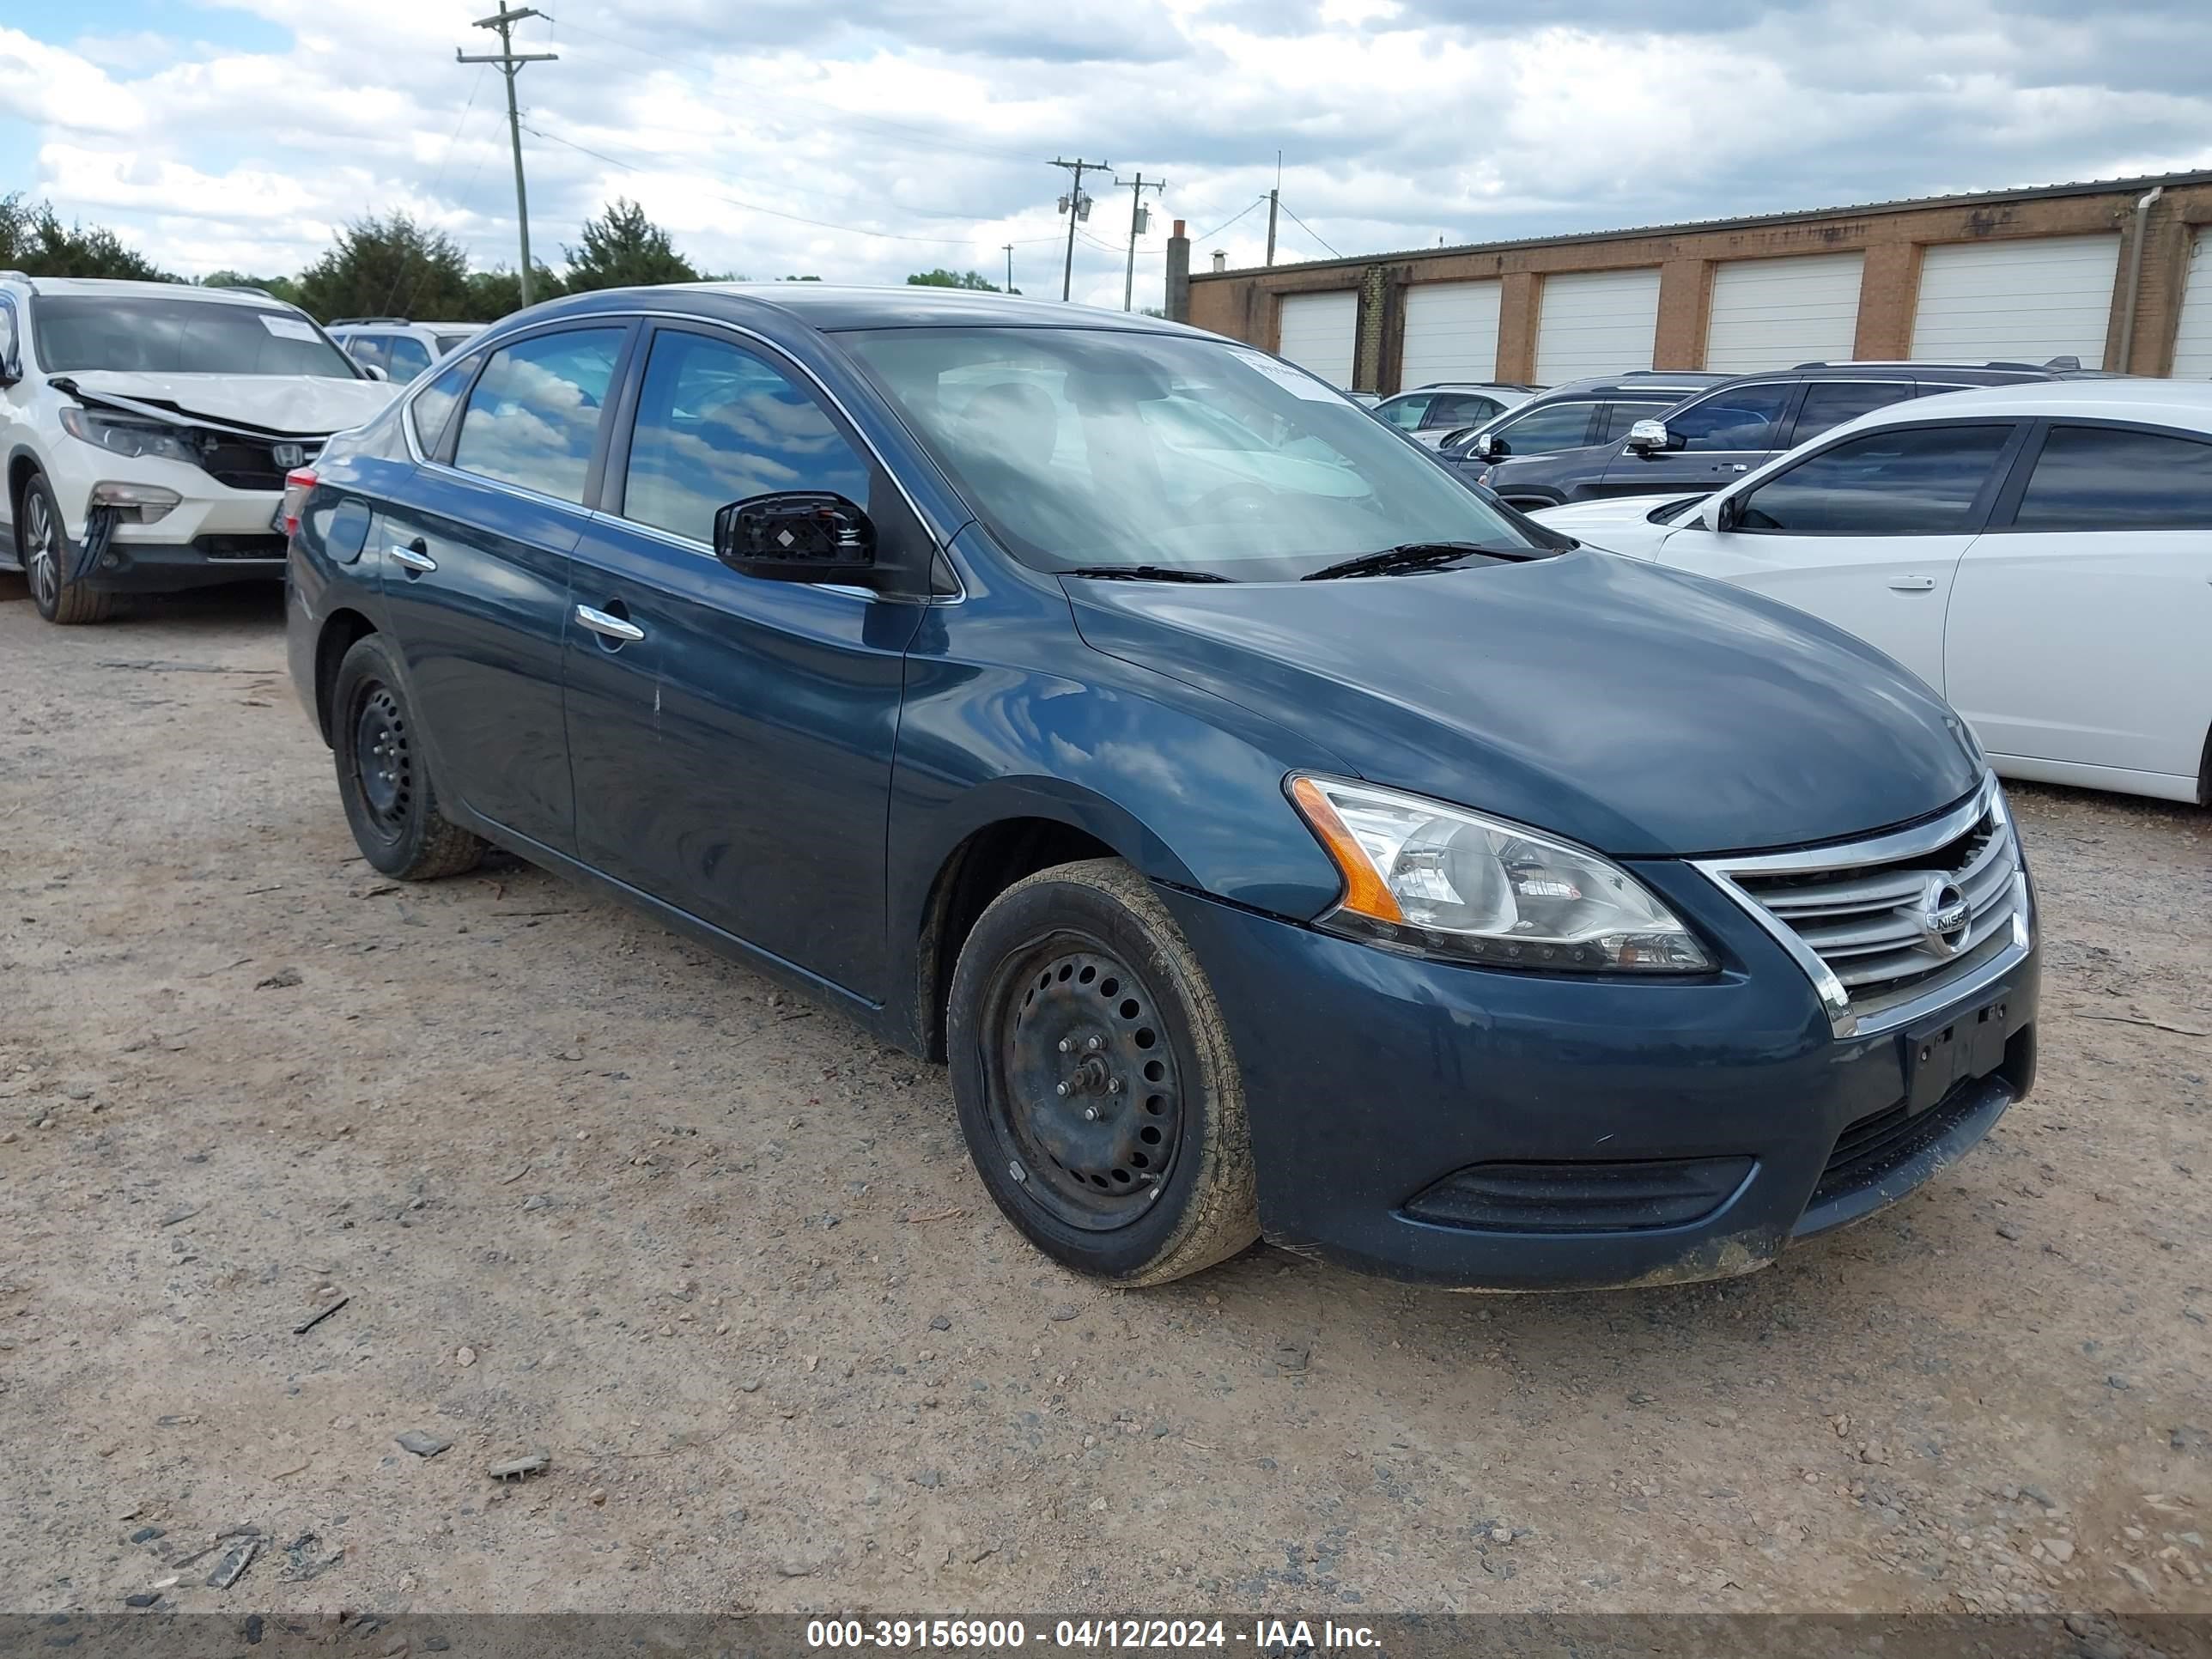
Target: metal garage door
(2050, 296)
(1451, 334)
(2192, 342)
(1318, 330)
(1770, 313)
(1596, 322)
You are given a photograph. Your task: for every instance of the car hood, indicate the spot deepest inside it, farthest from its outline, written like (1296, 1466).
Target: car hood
(1639, 710)
(294, 405)
(1619, 523)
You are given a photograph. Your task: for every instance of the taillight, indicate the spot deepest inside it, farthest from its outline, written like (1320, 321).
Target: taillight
(299, 484)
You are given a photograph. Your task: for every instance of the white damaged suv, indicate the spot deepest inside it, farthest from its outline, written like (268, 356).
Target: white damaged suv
(147, 428)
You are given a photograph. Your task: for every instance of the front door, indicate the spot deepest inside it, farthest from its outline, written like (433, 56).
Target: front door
(1711, 444)
(731, 737)
(1866, 533)
(2081, 628)
(476, 574)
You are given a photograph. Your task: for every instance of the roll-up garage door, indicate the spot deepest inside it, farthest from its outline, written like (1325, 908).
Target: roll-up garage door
(1596, 322)
(1451, 334)
(1770, 313)
(1318, 331)
(2025, 301)
(2192, 342)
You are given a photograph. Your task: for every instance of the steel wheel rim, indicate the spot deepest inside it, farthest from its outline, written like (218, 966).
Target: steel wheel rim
(39, 538)
(383, 761)
(1085, 1094)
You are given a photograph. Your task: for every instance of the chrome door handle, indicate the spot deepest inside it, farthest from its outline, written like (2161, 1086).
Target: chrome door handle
(1739, 466)
(413, 558)
(612, 628)
(1913, 584)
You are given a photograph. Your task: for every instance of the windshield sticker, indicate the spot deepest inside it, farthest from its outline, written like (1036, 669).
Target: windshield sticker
(287, 328)
(1291, 380)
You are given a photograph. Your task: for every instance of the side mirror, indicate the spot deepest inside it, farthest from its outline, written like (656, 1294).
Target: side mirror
(1722, 512)
(1487, 448)
(1648, 436)
(797, 536)
(373, 372)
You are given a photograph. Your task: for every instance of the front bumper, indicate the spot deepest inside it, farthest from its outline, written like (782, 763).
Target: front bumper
(1371, 1077)
(148, 567)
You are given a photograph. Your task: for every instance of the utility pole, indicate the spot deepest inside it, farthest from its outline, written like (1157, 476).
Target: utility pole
(1138, 219)
(1010, 267)
(510, 63)
(1076, 205)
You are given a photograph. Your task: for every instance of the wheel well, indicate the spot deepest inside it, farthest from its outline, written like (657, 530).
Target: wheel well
(981, 868)
(340, 632)
(19, 470)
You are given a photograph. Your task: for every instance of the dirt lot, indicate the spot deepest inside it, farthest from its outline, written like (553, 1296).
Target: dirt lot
(592, 1192)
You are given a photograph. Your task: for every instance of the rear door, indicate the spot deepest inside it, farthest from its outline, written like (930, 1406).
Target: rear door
(1865, 532)
(475, 569)
(1828, 403)
(1711, 443)
(2081, 628)
(731, 737)
(405, 357)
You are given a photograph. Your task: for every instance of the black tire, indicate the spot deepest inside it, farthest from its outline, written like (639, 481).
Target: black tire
(43, 550)
(383, 776)
(1135, 1184)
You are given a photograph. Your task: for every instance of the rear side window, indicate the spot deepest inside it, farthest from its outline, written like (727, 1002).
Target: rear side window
(1459, 409)
(1405, 413)
(1921, 481)
(433, 404)
(367, 348)
(1554, 426)
(716, 424)
(2101, 478)
(534, 414)
(1742, 418)
(1831, 403)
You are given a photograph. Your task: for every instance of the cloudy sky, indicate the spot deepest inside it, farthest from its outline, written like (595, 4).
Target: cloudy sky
(864, 139)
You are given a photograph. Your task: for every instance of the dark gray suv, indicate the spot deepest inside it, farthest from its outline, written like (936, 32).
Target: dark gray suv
(1722, 432)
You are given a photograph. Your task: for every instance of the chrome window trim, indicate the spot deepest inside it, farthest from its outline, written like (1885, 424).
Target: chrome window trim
(942, 543)
(1844, 1020)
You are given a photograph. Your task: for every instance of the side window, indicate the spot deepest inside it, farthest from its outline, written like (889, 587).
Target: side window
(1618, 417)
(1740, 418)
(1915, 482)
(534, 414)
(1459, 409)
(367, 348)
(1831, 403)
(715, 424)
(1555, 425)
(11, 334)
(2101, 478)
(433, 404)
(410, 357)
(1405, 413)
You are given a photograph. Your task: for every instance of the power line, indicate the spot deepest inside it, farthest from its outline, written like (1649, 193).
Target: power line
(778, 213)
(510, 63)
(1310, 231)
(444, 160)
(1208, 236)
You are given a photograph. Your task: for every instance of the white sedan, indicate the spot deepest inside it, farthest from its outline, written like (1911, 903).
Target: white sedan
(2039, 554)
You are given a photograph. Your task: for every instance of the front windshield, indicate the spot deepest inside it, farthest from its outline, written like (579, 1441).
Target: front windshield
(1105, 447)
(181, 336)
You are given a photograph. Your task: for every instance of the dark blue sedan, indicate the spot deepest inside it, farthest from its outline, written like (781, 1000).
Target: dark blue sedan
(1278, 838)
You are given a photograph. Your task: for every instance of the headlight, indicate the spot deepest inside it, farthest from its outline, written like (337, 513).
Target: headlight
(129, 437)
(1423, 876)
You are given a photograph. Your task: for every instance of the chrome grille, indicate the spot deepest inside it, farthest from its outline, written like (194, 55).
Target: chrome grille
(1884, 925)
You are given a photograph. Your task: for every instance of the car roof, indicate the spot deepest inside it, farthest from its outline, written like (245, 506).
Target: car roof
(2185, 404)
(1641, 382)
(116, 287)
(833, 307)
(1952, 373)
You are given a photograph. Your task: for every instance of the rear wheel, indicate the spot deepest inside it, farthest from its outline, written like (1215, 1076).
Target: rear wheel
(44, 552)
(1096, 1087)
(383, 777)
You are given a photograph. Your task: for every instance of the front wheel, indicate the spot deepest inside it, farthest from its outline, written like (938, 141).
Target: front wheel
(1096, 1083)
(384, 778)
(44, 551)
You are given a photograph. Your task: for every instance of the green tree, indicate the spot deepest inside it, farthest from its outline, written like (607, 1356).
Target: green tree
(944, 278)
(286, 288)
(388, 267)
(493, 293)
(798, 279)
(34, 240)
(622, 248)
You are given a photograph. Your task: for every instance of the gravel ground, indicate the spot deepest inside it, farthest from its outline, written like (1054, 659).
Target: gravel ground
(590, 1194)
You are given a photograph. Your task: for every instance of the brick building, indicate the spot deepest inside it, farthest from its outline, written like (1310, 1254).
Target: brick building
(2116, 273)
